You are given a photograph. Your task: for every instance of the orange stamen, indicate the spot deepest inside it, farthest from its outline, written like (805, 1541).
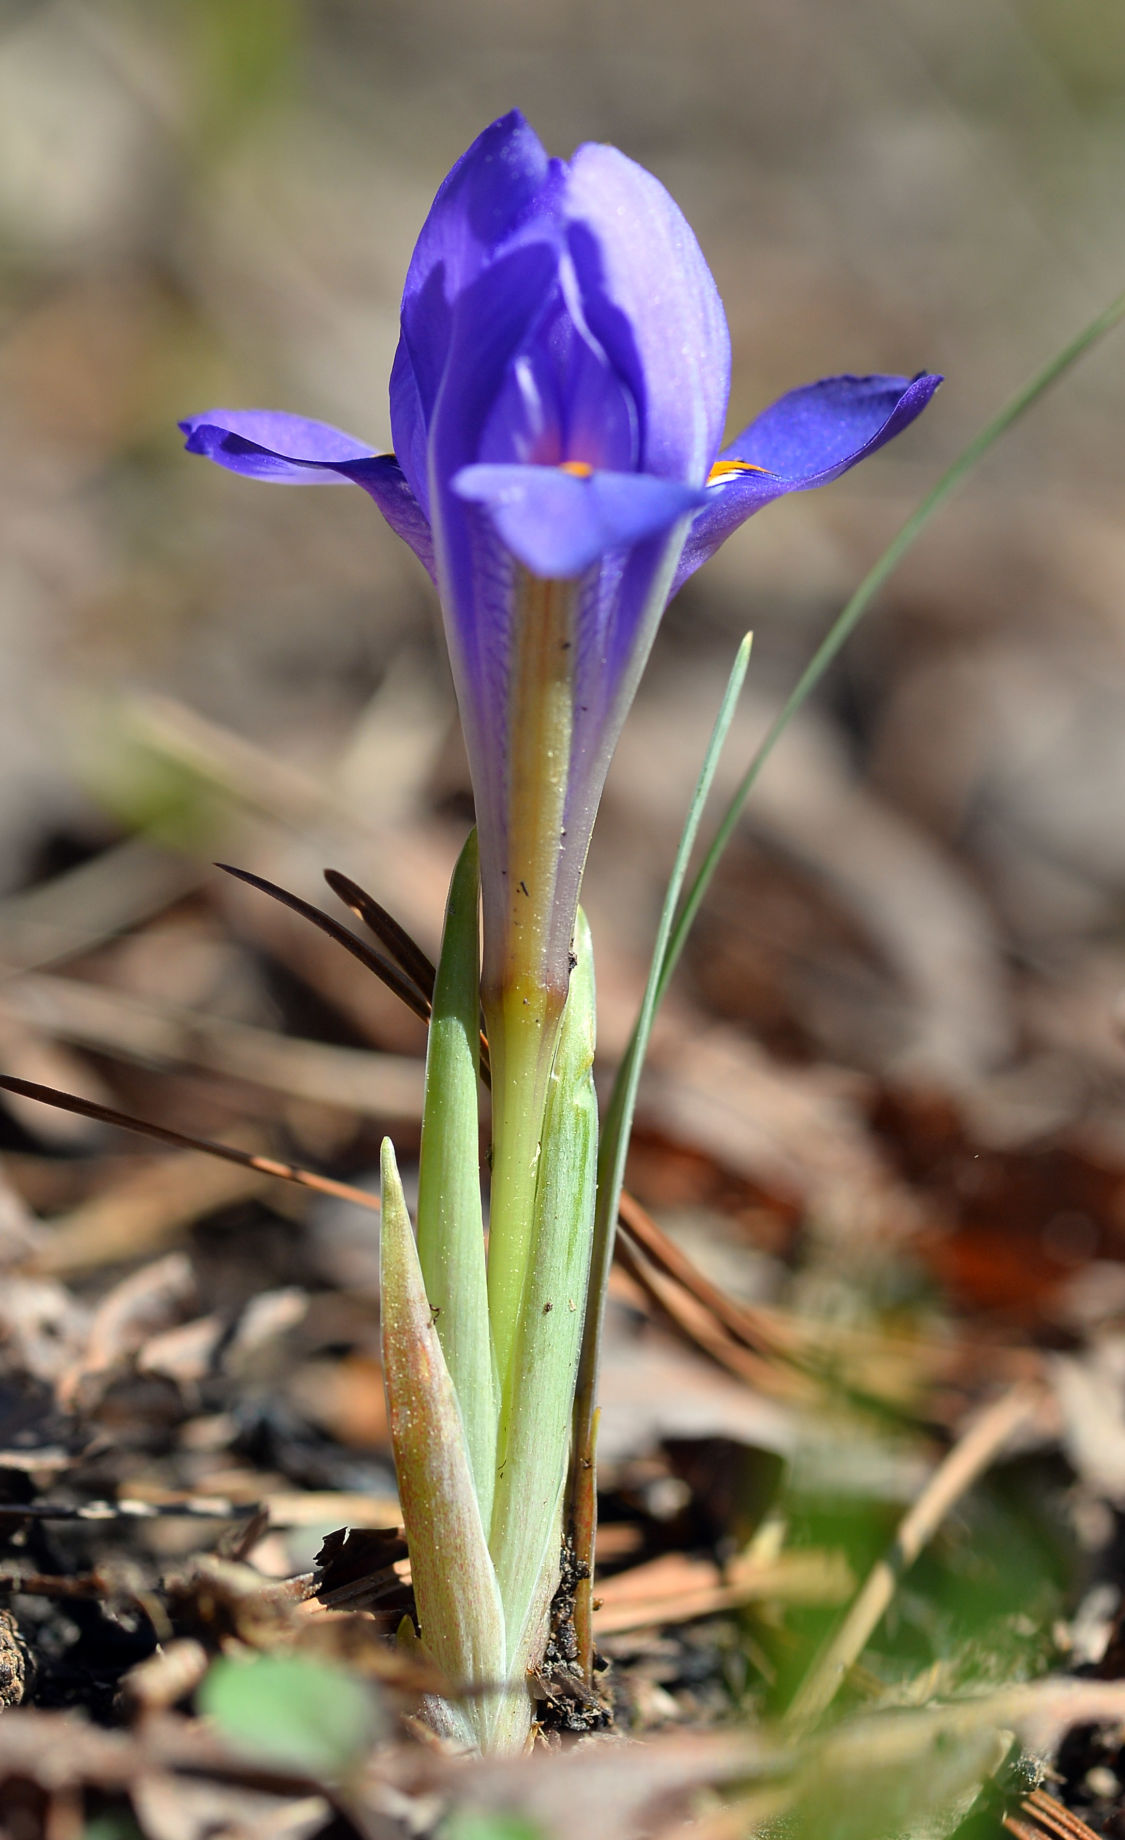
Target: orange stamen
(578, 468)
(722, 469)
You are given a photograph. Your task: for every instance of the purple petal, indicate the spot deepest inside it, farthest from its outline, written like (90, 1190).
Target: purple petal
(650, 300)
(558, 524)
(619, 612)
(266, 444)
(619, 603)
(501, 186)
(408, 425)
(816, 433)
(491, 320)
(806, 439)
(561, 400)
(291, 450)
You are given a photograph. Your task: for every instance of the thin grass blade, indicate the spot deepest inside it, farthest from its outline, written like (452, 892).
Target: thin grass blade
(846, 622)
(618, 1124)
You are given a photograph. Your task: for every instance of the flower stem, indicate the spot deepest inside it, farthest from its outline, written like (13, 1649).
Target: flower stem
(525, 967)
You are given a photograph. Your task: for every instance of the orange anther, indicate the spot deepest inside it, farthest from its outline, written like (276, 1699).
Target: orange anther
(722, 469)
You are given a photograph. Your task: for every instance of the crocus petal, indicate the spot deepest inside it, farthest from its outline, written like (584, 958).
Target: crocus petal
(619, 611)
(562, 401)
(475, 570)
(816, 433)
(651, 302)
(291, 450)
(493, 189)
(491, 321)
(558, 524)
(266, 444)
(806, 439)
(500, 186)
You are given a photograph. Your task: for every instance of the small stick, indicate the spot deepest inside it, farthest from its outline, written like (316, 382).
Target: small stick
(968, 1459)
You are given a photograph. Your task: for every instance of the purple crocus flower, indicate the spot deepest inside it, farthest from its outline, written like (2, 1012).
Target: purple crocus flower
(557, 408)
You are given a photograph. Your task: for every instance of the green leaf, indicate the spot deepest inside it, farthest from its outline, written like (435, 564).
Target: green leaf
(450, 1222)
(622, 1103)
(846, 622)
(534, 1441)
(455, 1592)
(896, 1772)
(283, 1709)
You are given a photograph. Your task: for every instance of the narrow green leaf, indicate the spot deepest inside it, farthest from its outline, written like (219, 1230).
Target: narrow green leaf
(455, 1592)
(286, 1709)
(450, 1223)
(622, 1103)
(535, 1416)
(674, 930)
(846, 622)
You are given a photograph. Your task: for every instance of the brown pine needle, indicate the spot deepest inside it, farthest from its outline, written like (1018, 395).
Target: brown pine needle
(699, 1324)
(397, 941)
(1041, 1815)
(393, 938)
(954, 1476)
(265, 1165)
(386, 970)
(748, 1325)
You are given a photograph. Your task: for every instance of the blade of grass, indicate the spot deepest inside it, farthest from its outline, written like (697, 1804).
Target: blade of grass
(611, 1160)
(674, 928)
(846, 622)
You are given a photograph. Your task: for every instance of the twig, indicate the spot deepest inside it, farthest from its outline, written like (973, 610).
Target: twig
(751, 1326)
(968, 1459)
